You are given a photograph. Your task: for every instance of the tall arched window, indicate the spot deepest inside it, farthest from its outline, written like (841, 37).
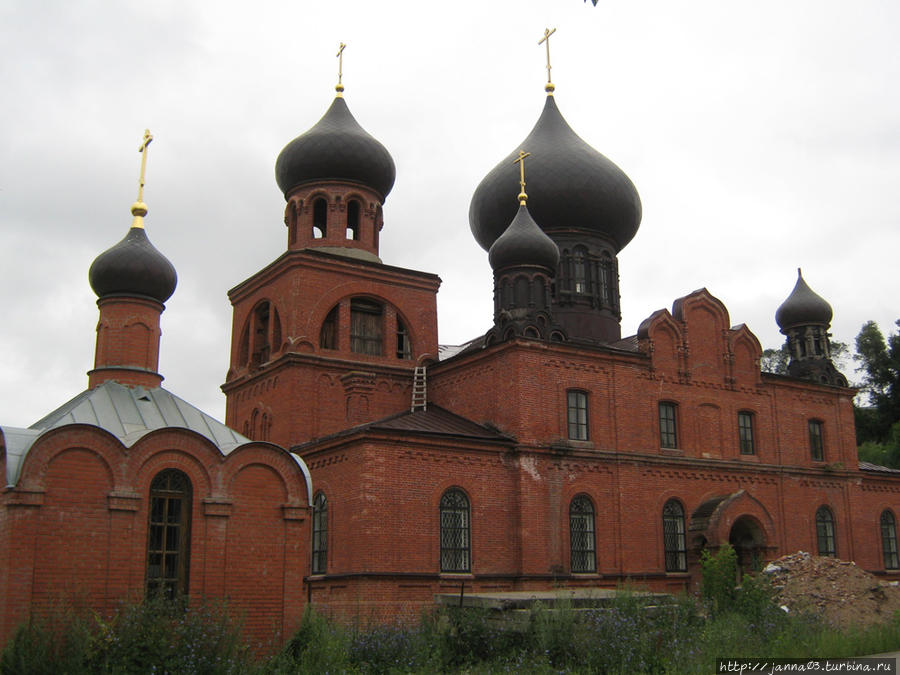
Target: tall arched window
(579, 271)
(168, 534)
(455, 532)
(320, 534)
(674, 537)
(889, 541)
(581, 535)
(353, 219)
(825, 531)
(320, 218)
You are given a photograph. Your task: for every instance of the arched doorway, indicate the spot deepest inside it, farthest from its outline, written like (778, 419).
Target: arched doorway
(748, 540)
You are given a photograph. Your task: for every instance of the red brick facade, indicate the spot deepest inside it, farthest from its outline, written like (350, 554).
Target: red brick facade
(75, 526)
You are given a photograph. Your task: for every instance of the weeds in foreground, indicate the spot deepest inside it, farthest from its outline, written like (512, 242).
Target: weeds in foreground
(625, 636)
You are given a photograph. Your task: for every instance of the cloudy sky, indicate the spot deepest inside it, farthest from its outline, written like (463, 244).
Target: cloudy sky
(762, 136)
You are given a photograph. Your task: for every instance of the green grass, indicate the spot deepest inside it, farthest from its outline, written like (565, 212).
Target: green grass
(622, 638)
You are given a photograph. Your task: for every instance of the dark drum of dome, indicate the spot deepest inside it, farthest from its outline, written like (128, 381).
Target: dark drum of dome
(803, 306)
(336, 148)
(569, 184)
(133, 267)
(523, 243)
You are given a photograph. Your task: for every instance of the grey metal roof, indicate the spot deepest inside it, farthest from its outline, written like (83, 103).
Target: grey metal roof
(128, 414)
(434, 421)
(877, 468)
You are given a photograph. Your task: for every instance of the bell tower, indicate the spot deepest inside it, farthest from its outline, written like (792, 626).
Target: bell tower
(327, 336)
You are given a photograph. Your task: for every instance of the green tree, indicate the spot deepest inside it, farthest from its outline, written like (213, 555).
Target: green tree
(878, 423)
(879, 361)
(777, 360)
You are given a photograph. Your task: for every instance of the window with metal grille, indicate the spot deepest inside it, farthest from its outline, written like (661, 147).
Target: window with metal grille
(674, 537)
(816, 446)
(889, 541)
(583, 557)
(668, 436)
(825, 531)
(745, 433)
(577, 414)
(365, 327)
(168, 534)
(320, 534)
(455, 532)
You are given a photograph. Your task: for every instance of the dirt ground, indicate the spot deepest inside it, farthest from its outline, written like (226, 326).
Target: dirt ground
(837, 590)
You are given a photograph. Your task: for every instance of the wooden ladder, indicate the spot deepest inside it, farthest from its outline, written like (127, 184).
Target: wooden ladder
(419, 394)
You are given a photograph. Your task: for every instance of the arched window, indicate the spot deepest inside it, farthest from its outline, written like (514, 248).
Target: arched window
(320, 534)
(889, 541)
(328, 333)
(581, 535)
(579, 271)
(168, 534)
(263, 335)
(365, 327)
(353, 220)
(825, 531)
(320, 218)
(606, 269)
(455, 532)
(673, 536)
(404, 347)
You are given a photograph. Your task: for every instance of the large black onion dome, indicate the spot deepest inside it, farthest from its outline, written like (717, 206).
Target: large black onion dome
(336, 148)
(570, 185)
(133, 267)
(802, 307)
(523, 243)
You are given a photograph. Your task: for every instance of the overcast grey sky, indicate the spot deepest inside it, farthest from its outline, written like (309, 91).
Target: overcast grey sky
(762, 136)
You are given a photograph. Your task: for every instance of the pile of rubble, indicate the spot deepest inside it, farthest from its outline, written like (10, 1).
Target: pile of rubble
(837, 590)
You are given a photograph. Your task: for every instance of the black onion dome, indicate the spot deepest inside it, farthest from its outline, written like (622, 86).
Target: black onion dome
(336, 148)
(570, 185)
(133, 267)
(803, 306)
(523, 243)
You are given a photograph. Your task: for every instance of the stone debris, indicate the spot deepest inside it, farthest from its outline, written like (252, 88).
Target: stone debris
(836, 590)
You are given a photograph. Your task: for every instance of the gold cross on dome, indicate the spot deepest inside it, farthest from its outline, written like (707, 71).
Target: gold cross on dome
(546, 39)
(143, 150)
(520, 160)
(340, 57)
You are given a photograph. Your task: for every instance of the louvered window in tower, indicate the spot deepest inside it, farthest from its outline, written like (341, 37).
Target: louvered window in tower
(366, 327)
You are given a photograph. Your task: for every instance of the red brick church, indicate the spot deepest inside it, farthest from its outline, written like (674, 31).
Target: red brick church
(548, 452)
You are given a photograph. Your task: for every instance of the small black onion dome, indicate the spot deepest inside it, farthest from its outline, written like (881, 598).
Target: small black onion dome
(523, 243)
(133, 267)
(336, 148)
(802, 307)
(569, 185)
